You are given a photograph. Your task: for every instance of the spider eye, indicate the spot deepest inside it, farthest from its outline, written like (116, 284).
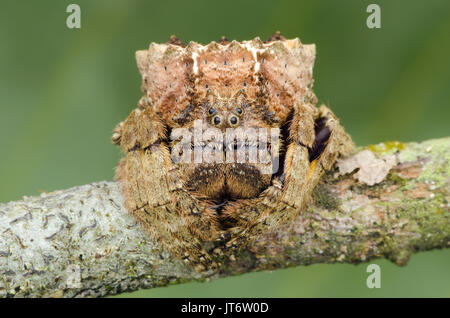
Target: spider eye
(239, 110)
(211, 111)
(216, 120)
(233, 120)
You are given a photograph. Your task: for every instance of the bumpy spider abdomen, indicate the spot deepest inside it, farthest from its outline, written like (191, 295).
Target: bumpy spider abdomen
(226, 143)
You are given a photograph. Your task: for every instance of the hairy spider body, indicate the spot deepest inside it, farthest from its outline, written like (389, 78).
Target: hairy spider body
(193, 96)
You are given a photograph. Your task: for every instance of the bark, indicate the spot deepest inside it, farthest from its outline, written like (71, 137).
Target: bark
(81, 241)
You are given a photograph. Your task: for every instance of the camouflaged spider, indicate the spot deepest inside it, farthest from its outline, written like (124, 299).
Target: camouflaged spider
(249, 84)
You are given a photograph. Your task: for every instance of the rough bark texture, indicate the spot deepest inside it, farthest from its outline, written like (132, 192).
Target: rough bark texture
(81, 241)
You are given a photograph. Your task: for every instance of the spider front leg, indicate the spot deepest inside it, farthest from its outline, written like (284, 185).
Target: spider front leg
(312, 152)
(315, 141)
(154, 192)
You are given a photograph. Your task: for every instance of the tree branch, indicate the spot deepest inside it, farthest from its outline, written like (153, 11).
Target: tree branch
(82, 242)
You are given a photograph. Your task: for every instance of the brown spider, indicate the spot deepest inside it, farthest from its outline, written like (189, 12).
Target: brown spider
(223, 86)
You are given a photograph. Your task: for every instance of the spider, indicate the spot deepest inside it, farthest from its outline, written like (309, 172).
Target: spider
(192, 90)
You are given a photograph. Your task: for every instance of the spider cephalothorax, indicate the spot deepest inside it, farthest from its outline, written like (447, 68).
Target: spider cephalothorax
(226, 139)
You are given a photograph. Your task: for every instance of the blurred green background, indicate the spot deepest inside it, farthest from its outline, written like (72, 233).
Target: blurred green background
(62, 91)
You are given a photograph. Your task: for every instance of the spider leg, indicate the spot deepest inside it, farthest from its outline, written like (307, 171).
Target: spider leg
(309, 156)
(316, 140)
(154, 192)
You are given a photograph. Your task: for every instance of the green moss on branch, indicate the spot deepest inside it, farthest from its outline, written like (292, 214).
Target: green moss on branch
(82, 242)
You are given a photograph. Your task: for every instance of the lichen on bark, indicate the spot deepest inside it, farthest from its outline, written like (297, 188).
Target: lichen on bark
(81, 241)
